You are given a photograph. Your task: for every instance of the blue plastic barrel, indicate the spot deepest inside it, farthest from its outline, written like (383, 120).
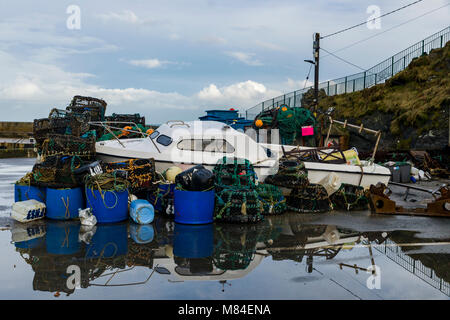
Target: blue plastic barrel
(23, 193)
(109, 208)
(194, 207)
(142, 234)
(62, 237)
(193, 241)
(141, 211)
(109, 241)
(63, 204)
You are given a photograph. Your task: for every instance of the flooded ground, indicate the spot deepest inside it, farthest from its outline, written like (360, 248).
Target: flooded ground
(294, 256)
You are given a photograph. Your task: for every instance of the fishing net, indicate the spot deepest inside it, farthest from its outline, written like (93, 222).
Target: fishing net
(139, 172)
(349, 197)
(288, 120)
(140, 254)
(291, 174)
(272, 200)
(59, 144)
(162, 197)
(234, 173)
(57, 172)
(234, 246)
(309, 199)
(238, 205)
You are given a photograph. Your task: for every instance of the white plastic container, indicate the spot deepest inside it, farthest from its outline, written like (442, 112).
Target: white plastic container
(331, 183)
(29, 210)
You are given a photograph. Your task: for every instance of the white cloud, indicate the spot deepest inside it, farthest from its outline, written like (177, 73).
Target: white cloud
(148, 63)
(126, 16)
(269, 46)
(246, 58)
(298, 84)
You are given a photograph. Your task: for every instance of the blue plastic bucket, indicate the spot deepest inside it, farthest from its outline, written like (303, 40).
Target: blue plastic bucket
(109, 241)
(194, 207)
(23, 193)
(165, 190)
(112, 207)
(63, 204)
(142, 234)
(193, 241)
(62, 237)
(141, 211)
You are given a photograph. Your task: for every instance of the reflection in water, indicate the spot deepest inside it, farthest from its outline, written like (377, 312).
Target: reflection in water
(65, 256)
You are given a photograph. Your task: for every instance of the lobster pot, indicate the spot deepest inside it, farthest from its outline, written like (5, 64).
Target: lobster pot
(140, 173)
(22, 193)
(62, 237)
(194, 207)
(142, 234)
(238, 205)
(291, 174)
(109, 241)
(162, 197)
(29, 210)
(63, 204)
(349, 197)
(234, 173)
(141, 211)
(310, 199)
(108, 206)
(193, 241)
(272, 199)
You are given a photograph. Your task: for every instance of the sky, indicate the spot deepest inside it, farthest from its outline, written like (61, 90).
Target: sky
(172, 59)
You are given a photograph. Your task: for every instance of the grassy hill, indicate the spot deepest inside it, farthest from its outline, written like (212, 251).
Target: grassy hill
(411, 108)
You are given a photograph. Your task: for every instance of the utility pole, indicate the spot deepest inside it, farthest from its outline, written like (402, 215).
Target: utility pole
(316, 47)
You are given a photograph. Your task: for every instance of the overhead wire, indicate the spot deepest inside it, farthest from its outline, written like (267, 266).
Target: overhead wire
(365, 22)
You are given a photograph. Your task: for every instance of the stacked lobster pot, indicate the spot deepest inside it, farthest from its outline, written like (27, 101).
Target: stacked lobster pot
(236, 197)
(301, 195)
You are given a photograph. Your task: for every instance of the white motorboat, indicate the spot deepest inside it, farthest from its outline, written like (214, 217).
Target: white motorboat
(186, 144)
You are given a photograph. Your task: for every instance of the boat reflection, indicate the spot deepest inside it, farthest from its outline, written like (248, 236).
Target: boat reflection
(65, 256)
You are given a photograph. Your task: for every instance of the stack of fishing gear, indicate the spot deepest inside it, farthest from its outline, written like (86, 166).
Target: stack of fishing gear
(236, 197)
(288, 120)
(196, 178)
(272, 199)
(301, 195)
(349, 197)
(139, 172)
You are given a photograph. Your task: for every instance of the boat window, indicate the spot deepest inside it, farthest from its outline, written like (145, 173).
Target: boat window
(154, 134)
(207, 145)
(164, 140)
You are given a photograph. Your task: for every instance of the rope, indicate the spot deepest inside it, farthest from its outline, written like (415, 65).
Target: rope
(66, 205)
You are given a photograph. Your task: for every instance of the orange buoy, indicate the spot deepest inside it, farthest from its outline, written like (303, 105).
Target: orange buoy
(149, 131)
(258, 123)
(284, 109)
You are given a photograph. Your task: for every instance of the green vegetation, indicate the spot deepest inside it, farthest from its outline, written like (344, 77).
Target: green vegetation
(417, 97)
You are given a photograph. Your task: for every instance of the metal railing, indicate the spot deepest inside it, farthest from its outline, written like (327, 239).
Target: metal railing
(395, 253)
(359, 81)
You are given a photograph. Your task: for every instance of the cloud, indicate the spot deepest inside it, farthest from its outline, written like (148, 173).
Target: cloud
(246, 58)
(213, 40)
(298, 84)
(149, 63)
(269, 46)
(126, 16)
(242, 94)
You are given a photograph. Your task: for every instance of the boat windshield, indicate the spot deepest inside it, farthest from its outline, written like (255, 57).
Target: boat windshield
(154, 134)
